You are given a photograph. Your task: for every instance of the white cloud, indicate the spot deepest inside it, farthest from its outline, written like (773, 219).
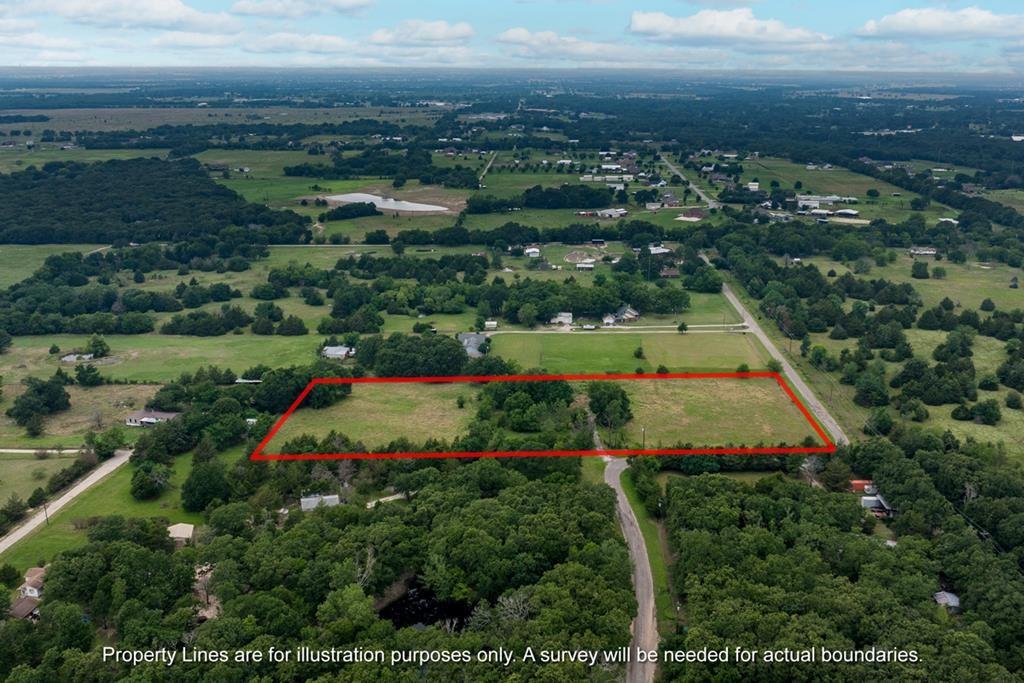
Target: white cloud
(163, 14)
(16, 25)
(192, 40)
(318, 43)
(419, 32)
(297, 8)
(542, 44)
(933, 22)
(37, 41)
(739, 26)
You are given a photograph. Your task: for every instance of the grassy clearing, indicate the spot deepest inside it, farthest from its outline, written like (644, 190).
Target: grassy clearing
(712, 413)
(577, 352)
(112, 495)
(21, 474)
(377, 414)
(161, 358)
(95, 408)
(18, 261)
(967, 283)
(21, 158)
(1012, 198)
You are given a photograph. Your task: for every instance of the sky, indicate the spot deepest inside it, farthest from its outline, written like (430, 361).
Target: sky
(944, 36)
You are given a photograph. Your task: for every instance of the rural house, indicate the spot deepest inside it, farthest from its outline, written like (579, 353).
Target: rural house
(310, 503)
(181, 534)
(471, 343)
(337, 352)
(563, 318)
(148, 418)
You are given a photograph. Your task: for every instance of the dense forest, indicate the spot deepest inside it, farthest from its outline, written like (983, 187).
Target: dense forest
(137, 200)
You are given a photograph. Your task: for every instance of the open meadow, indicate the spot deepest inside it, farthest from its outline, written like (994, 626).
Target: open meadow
(376, 414)
(18, 261)
(715, 412)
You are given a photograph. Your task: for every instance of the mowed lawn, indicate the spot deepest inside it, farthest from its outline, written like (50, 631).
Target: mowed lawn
(713, 412)
(18, 261)
(581, 352)
(23, 473)
(111, 496)
(376, 414)
(93, 408)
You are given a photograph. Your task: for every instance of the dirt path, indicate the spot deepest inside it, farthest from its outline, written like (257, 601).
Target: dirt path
(38, 518)
(483, 174)
(810, 399)
(645, 624)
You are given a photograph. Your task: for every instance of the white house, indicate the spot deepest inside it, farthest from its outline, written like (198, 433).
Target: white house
(33, 586)
(612, 213)
(923, 251)
(532, 252)
(585, 266)
(562, 318)
(490, 324)
(148, 418)
(337, 352)
(847, 213)
(657, 250)
(754, 186)
(181, 534)
(309, 503)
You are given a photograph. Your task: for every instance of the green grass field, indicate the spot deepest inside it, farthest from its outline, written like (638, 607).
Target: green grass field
(842, 182)
(161, 358)
(967, 283)
(18, 261)
(377, 414)
(580, 352)
(93, 408)
(21, 158)
(712, 413)
(1012, 198)
(21, 474)
(110, 496)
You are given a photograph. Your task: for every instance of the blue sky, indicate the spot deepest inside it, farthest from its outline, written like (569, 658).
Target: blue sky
(866, 35)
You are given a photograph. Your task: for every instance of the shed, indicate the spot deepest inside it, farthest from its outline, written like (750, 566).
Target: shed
(337, 352)
(181, 534)
(309, 503)
(562, 318)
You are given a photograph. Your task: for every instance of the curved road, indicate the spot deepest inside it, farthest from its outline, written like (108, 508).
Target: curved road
(810, 399)
(645, 624)
(38, 518)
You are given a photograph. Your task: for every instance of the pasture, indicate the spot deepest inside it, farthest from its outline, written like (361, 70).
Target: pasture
(18, 261)
(20, 158)
(582, 352)
(23, 473)
(376, 414)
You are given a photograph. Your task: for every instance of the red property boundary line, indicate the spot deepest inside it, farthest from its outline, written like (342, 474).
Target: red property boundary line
(259, 455)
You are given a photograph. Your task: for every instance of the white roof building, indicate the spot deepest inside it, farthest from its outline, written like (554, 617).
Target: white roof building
(310, 503)
(563, 318)
(532, 252)
(337, 352)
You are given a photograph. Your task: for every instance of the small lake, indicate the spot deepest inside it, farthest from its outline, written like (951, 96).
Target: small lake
(384, 203)
(420, 607)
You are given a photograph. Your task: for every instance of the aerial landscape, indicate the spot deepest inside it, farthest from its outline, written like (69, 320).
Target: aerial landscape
(571, 341)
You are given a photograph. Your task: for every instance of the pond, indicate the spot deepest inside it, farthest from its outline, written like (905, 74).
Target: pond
(384, 203)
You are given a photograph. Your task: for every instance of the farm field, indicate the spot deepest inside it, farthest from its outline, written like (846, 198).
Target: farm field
(968, 284)
(68, 527)
(159, 357)
(582, 352)
(92, 408)
(376, 414)
(712, 413)
(21, 158)
(140, 118)
(18, 261)
(844, 183)
(1012, 198)
(22, 473)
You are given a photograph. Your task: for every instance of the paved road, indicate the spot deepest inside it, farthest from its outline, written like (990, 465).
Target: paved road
(28, 451)
(645, 624)
(38, 518)
(712, 203)
(796, 381)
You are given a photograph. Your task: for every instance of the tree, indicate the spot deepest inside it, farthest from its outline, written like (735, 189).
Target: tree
(527, 314)
(9, 575)
(205, 484)
(5, 340)
(988, 305)
(292, 326)
(836, 475)
(873, 193)
(97, 346)
(86, 375)
(682, 328)
(919, 270)
(150, 480)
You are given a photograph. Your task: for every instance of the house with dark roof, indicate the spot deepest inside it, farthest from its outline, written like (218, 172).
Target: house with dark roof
(471, 343)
